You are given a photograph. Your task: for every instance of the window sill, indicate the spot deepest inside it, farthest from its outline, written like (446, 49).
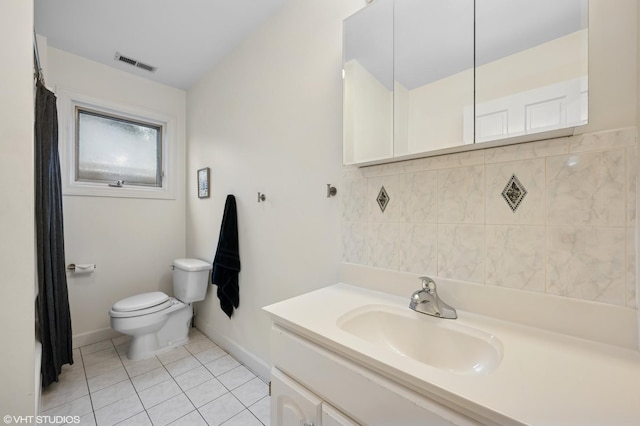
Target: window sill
(104, 190)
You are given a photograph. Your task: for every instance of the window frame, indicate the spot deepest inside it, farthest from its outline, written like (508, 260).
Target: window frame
(78, 110)
(70, 102)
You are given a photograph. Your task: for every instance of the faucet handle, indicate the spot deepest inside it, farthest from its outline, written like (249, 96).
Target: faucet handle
(428, 284)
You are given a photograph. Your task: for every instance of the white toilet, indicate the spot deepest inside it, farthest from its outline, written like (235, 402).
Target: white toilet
(157, 322)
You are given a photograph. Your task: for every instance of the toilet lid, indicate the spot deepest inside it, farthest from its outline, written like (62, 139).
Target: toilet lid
(142, 312)
(140, 301)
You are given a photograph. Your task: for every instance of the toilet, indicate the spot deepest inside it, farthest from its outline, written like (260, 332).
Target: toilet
(157, 322)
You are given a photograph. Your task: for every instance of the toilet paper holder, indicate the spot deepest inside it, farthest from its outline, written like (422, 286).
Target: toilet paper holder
(73, 267)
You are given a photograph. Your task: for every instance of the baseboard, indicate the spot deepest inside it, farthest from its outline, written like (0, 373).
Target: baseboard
(253, 363)
(91, 337)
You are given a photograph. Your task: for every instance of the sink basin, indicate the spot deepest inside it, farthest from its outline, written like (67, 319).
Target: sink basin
(440, 343)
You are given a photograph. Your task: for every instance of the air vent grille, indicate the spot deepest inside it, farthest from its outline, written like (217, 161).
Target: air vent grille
(135, 63)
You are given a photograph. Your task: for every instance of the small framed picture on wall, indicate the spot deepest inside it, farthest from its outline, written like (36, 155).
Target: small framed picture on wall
(203, 183)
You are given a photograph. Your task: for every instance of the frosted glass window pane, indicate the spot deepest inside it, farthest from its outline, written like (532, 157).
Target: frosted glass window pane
(111, 149)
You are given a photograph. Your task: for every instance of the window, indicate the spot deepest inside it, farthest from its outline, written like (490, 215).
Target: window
(117, 150)
(114, 150)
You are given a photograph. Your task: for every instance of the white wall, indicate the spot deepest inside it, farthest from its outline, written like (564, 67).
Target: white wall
(269, 119)
(17, 244)
(132, 241)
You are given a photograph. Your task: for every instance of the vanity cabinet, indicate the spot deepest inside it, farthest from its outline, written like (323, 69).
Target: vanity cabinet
(427, 77)
(314, 385)
(294, 405)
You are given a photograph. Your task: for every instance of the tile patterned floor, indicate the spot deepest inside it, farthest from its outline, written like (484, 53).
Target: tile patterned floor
(195, 384)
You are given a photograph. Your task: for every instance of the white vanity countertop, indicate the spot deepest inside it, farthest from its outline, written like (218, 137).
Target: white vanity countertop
(544, 378)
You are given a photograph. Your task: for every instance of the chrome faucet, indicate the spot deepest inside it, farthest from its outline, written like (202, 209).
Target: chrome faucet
(426, 301)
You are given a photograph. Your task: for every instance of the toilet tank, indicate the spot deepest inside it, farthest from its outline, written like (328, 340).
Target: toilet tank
(190, 279)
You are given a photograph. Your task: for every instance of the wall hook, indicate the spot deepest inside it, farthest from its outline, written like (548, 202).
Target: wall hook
(261, 197)
(331, 190)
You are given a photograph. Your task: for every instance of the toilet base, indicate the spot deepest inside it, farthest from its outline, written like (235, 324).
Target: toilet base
(144, 346)
(174, 333)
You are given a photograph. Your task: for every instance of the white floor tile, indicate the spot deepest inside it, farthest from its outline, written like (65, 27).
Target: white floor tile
(198, 345)
(102, 367)
(194, 333)
(171, 410)
(220, 410)
(236, 377)
(150, 378)
(173, 355)
(120, 340)
(87, 420)
(140, 419)
(136, 368)
(262, 410)
(251, 392)
(78, 407)
(210, 354)
(159, 393)
(77, 361)
(170, 387)
(95, 347)
(107, 379)
(193, 378)
(182, 366)
(192, 419)
(206, 392)
(111, 394)
(222, 365)
(62, 392)
(244, 418)
(119, 411)
(100, 356)
(123, 349)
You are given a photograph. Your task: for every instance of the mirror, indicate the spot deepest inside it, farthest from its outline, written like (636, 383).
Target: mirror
(531, 68)
(368, 84)
(433, 73)
(418, 79)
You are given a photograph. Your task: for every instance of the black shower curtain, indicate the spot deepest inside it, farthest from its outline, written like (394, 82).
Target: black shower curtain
(52, 306)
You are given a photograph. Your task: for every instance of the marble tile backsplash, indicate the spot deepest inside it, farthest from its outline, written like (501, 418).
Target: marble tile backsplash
(573, 234)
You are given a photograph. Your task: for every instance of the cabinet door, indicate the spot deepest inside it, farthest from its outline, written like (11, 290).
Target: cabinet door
(332, 417)
(292, 404)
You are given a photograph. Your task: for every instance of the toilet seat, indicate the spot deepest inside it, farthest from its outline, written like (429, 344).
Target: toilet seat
(141, 304)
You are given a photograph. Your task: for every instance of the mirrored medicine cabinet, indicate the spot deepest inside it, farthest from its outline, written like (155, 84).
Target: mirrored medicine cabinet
(425, 77)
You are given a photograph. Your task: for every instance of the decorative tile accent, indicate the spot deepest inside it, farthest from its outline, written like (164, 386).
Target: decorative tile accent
(514, 193)
(383, 199)
(531, 212)
(575, 236)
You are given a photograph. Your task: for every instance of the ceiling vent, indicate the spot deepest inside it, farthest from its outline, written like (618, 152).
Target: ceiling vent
(135, 63)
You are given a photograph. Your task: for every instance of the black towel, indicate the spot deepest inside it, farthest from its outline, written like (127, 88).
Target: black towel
(226, 263)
